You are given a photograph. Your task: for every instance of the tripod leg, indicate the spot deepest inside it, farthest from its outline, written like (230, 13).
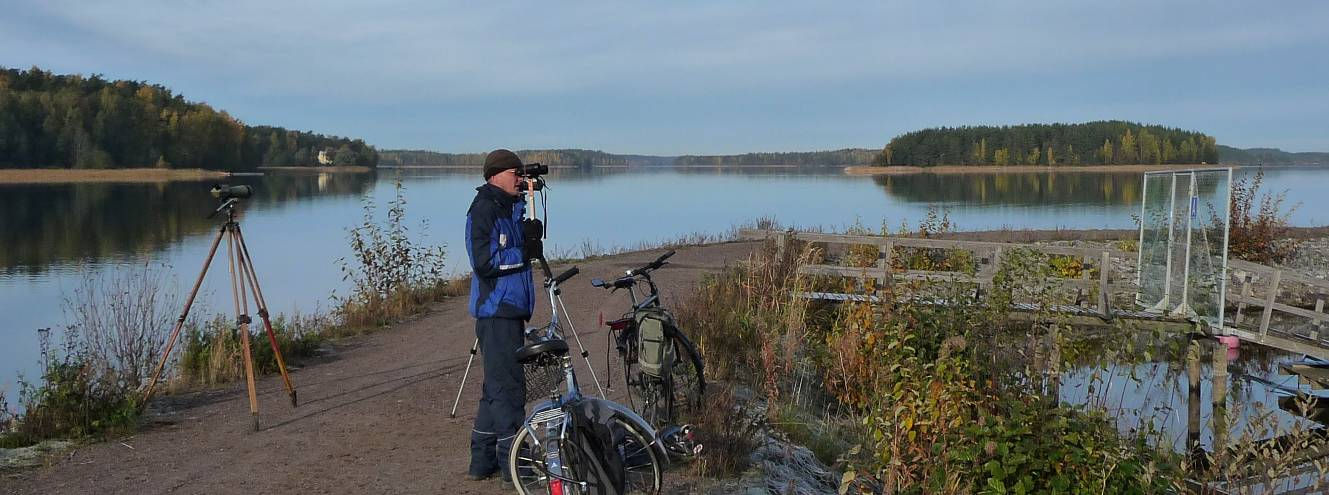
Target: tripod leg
(180, 322)
(243, 320)
(247, 266)
(462, 385)
(584, 355)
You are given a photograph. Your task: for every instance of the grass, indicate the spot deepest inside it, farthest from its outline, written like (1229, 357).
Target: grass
(212, 352)
(914, 398)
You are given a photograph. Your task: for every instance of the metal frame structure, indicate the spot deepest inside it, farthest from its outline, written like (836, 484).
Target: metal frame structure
(1165, 304)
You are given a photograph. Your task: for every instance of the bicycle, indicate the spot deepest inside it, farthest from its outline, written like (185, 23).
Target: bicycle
(555, 450)
(661, 366)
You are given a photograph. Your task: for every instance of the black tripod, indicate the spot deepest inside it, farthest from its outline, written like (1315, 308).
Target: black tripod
(238, 254)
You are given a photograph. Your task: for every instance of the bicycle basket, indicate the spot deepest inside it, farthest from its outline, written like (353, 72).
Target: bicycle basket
(543, 377)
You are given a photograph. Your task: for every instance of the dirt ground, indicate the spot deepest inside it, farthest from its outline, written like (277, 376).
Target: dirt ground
(373, 415)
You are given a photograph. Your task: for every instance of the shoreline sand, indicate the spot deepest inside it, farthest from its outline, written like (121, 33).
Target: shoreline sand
(64, 175)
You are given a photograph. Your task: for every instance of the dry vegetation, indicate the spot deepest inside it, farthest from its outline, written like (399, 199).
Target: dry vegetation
(51, 175)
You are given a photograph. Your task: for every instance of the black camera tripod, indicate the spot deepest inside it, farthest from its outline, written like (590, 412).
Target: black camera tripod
(238, 254)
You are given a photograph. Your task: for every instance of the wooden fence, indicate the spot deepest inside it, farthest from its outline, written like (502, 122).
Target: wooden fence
(1283, 322)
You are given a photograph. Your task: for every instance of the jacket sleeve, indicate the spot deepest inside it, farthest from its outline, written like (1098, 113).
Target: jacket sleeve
(488, 259)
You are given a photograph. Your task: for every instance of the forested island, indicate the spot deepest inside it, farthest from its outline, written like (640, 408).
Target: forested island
(1092, 143)
(554, 158)
(71, 121)
(1269, 156)
(589, 158)
(842, 157)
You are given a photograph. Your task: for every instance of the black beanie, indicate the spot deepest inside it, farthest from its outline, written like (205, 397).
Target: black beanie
(500, 160)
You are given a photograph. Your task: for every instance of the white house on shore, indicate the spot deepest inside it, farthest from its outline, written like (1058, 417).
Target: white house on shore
(324, 158)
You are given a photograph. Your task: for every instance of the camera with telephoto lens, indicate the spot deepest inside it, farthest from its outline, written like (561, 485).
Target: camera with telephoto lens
(224, 192)
(537, 184)
(532, 170)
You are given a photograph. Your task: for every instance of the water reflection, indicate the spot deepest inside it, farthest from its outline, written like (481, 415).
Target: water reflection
(1026, 189)
(296, 224)
(54, 224)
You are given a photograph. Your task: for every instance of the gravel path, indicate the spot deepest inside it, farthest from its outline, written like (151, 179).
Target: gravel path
(373, 416)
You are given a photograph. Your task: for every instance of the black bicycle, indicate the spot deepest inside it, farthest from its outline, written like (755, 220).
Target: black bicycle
(662, 369)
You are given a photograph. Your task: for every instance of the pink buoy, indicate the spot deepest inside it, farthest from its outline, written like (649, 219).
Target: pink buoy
(1233, 343)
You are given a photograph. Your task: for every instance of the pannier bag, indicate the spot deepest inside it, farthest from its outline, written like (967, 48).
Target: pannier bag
(656, 349)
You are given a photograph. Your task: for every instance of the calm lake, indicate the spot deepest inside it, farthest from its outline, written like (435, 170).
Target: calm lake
(296, 225)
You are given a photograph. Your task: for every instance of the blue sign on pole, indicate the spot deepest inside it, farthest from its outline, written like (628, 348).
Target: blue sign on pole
(1195, 204)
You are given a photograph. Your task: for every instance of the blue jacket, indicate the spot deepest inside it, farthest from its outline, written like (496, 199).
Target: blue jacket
(501, 283)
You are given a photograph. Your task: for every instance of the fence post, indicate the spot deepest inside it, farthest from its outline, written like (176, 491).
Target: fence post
(781, 243)
(1104, 293)
(1193, 401)
(1245, 292)
(1220, 398)
(1269, 302)
(1319, 320)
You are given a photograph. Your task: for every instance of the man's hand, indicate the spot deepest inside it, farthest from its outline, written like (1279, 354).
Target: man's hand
(532, 231)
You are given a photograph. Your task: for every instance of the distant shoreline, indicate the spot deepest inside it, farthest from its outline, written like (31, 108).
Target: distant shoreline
(478, 167)
(69, 175)
(1018, 169)
(341, 169)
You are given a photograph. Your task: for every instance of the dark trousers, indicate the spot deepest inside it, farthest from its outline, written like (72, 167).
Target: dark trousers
(503, 404)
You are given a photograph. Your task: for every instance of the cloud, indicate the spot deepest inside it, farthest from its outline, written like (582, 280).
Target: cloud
(789, 62)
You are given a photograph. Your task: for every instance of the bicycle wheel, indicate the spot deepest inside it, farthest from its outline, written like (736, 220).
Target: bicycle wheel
(646, 397)
(687, 381)
(526, 463)
(642, 467)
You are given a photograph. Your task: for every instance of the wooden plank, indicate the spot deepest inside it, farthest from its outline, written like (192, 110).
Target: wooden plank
(1269, 270)
(842, 271)
(1316, 377)
(1280, 307)
(755, 234)
(1269, 302)
(877, 272)
(1297, 346)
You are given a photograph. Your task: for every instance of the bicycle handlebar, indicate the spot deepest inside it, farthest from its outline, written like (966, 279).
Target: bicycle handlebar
(562, 277)
(654, 265)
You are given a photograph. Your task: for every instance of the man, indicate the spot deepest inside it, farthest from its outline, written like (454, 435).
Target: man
(502, 299)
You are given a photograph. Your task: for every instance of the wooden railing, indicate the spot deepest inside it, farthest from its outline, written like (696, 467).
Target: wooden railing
(986, 254)
(1281, 324)
(1277, 285)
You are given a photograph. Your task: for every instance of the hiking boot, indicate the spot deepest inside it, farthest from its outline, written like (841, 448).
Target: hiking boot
(474, 476)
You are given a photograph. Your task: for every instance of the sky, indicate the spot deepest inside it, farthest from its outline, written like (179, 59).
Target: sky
(704, 77)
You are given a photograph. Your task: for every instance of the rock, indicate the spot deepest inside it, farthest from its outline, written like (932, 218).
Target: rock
(32, 455)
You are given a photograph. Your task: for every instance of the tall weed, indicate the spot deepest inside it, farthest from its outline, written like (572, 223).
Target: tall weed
(391, 275)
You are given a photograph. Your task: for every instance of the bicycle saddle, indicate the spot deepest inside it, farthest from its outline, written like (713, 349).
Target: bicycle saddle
(532, 352)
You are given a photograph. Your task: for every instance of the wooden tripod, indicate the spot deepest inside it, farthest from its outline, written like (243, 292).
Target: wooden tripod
(238, 254)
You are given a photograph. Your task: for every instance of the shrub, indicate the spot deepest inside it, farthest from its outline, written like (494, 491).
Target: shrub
(1259, 227)
(122, 320)
(727, 429)
(76, 397)
(391, 275)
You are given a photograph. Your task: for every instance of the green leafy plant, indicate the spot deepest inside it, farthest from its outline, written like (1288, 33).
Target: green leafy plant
(391, 275)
